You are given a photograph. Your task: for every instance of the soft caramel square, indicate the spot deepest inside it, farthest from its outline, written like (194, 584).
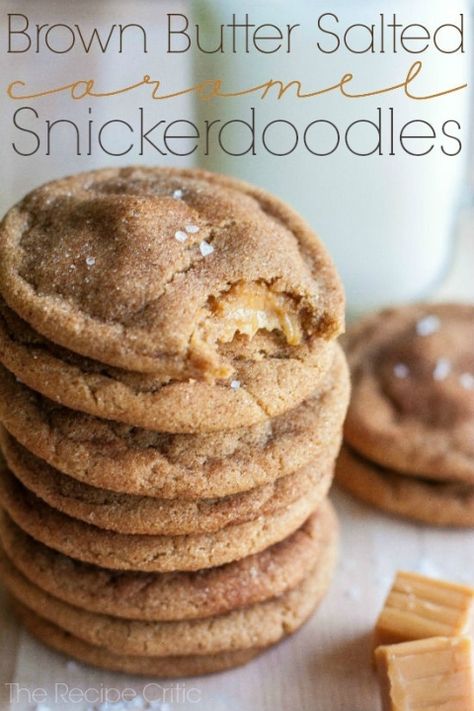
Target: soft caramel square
(433, 674)
(418, 607)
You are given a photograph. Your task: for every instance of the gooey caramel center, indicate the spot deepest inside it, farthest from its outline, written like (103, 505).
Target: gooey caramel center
(245, 309)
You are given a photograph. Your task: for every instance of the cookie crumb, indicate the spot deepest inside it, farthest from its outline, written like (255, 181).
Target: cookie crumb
(191, 229)
(400, 370)
(177, 194)
(90, 261)
(180, 236)
(205, 248)
(466, 381)
(235, 384)
(428, 325)
(442, 369)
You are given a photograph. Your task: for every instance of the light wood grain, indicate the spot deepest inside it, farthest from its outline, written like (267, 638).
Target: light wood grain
(326, 666)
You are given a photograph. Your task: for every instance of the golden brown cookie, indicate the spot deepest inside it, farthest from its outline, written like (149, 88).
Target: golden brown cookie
(152, 269)
(258, 625)
(412, 407)
(121, 458)
(128, 513)
(428, 501)
(121, 551)
(163, 667)
(174, 596)
(260, 387)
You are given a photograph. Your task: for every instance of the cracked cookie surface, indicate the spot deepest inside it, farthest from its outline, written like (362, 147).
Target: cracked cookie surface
(173, 596)
(157, 270)
(126, 513)
(163, 667)
(98, 451)
(156, 553)
(412, 405)
(430, 501)
(260, 389)
(256, 625)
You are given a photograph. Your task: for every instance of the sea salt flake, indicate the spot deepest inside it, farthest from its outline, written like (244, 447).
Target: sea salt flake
(235, 384)
(401, 371)
(205, 248)
(90, 261)
(428, 325)
(191, 229)
(466, 381)
(177, 194)
(180, 236)
(72, 666)
(42, 707)
(138, 702)
(442, 369)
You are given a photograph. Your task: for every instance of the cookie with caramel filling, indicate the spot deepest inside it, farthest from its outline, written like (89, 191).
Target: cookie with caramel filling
(127, 459)
(162, 667)
(261, 386)
(429, 501)
(129, 513)
(256, 625)
(174, 596)
(412, 406)
(153, 553)
(157, 270)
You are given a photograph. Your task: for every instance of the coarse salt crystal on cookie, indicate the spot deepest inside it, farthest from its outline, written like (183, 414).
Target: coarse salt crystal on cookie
(205, 248)
(428, 325)
(442, 369)
(467, 381)
(401, 371)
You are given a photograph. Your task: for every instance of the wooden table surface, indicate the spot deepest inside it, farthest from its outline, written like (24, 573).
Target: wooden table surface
(324, 667)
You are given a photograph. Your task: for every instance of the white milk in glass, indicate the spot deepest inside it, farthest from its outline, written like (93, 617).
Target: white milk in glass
(387, 219)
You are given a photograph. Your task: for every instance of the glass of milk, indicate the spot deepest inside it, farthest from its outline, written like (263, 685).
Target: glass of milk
(387, 219)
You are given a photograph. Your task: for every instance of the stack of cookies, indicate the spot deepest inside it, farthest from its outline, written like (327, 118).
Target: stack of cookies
(409, 434)
(172, 399)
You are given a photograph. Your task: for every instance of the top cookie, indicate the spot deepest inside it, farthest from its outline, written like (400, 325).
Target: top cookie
(160, 270)
(412, 406)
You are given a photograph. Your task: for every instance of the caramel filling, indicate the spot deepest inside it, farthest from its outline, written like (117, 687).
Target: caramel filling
(248, 308)
(245, 309)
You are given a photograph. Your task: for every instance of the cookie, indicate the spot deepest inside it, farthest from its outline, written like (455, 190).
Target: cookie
(429, 501)
(412, 407)
(126, 513)
(153, 269)
(162, 667)
(108, 549)
(257, 390)
(98, 452)
(174, 596)
(258, 625)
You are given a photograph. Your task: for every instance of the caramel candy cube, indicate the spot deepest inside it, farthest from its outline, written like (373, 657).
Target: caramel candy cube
(418, 607)
(427, 675)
